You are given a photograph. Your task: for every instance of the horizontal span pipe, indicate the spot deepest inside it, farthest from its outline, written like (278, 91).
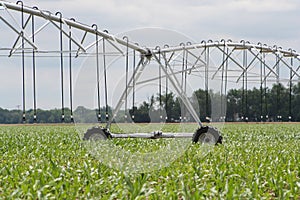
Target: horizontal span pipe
(153, 135)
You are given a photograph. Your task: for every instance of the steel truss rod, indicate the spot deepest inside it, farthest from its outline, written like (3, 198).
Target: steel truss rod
(247, 67)
(298, 68)
(20, 34)
(264, 63)
(278, 59)
(228, 54)
(22, 27)
(164, 76)
(198, 58)
(284, 62)
(73, 24)
(13, 51)
(82, 40)
(64, 32)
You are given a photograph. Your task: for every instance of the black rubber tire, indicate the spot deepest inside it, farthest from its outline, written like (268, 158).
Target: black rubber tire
(207, 135)
(96, 133)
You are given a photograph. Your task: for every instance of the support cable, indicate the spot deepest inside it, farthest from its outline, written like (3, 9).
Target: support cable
(290, 89)
(266, 91)
(278, 90)
(243, 98)
(185, 83)
(185, 71)
(97, 72)
(61, 68)
(126, 76)
(133, 87)
(226, 82)
(261, 83)
(159, 84)
(206, 84)
(70, 73)
(182, 117)
(222, 80)
(167, 95)
(23, 64)
(105, 83)
(246, 87)
(34, 74)
(245, 83)
(183, 65)
(166, 98)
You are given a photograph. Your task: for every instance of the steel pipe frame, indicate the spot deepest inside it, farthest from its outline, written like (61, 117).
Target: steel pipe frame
(105, 35)
(135, 76)
(52, 19)
(249, 47)
(114, 41)
(175, 83)
(73, 24)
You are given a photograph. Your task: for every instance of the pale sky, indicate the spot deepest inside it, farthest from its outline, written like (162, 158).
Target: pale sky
(268, 21)
(274, 22)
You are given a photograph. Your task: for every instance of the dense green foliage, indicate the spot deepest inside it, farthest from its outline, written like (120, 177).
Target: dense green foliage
(256, 161)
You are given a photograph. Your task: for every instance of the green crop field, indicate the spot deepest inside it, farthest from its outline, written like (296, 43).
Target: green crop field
(50, 162)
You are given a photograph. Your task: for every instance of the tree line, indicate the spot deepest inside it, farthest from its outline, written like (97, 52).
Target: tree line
(278, 103)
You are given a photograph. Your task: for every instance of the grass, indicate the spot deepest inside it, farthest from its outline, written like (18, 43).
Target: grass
(50, 162)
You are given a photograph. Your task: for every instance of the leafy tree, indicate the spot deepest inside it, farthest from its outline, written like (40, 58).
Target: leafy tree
(234, 105)
(296, 102)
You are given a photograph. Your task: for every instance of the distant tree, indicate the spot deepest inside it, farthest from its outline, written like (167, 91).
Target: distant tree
(296, 102)
(234, 104)
(204, 103)
(142, 113)
(274, 103)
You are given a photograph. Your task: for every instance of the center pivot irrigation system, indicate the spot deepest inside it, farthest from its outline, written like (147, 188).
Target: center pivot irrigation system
(230, 63)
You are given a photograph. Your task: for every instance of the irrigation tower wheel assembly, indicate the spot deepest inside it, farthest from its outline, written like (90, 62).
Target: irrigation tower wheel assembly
(96, 133)
(204, 135)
